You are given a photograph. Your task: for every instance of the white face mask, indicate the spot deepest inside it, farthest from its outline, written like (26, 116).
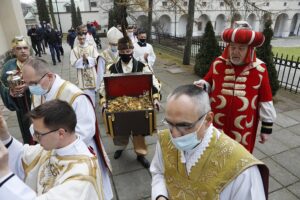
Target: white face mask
(130, 34)
(188, 141)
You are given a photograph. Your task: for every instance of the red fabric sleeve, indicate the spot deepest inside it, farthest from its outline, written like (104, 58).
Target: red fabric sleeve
(265, 92)
(208, 76)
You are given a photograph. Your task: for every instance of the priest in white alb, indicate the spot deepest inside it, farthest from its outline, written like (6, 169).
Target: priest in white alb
(59, 167)
(45, 86)
(84, 57)
(194, 160)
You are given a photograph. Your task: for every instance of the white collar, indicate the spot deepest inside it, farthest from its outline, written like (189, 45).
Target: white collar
(86, 44)
(190, 158)
(57, 82)
(69, 149)
(129, 64)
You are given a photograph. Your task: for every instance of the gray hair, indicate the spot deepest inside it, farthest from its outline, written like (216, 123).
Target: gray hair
(198, 96)
(39, 65)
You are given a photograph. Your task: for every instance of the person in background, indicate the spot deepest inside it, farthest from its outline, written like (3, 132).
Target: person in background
(60, 37)
(89, 37)
(71, 37)
(84, 58)
(17, 98)
(110, 55)
(130, 33)
(35, 37)
(143, 51)
(43, 28)
(53, 40)
(91, 29)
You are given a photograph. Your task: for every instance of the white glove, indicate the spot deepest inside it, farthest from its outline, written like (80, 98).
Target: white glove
(202, 84)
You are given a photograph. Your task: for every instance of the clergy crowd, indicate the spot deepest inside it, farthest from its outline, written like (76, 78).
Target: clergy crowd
(204, 153)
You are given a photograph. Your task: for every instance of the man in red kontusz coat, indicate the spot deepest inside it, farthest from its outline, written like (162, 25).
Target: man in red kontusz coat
(239, 88)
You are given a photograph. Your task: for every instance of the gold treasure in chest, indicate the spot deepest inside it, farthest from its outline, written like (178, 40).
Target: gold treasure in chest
(127, 103)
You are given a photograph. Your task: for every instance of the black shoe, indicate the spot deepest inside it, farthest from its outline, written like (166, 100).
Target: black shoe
(54, 63)
(59, 61)
(143, 161)
(118, 154)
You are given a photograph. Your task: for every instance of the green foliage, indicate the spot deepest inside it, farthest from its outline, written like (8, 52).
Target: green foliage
(52, 14)
(42, 11)
(266, 55)
(287, 51)
(79, 19)
(74, 15)
(208, 52)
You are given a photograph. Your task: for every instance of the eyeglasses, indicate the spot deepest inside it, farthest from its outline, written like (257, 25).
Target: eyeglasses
(37, 82)
(39, 135)
(182, 127)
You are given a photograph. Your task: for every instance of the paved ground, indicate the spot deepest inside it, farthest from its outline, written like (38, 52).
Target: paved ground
(132, 182)
(286, 42)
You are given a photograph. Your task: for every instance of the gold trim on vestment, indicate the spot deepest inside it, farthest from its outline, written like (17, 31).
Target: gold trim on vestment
(90, 179)
(221, 163)
(36, 160)
(74, 97)
(61, 89)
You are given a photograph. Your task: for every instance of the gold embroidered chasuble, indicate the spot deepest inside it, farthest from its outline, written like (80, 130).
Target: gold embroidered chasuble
(109, 58)
(86, 75)
(222, 161)
(45, 170)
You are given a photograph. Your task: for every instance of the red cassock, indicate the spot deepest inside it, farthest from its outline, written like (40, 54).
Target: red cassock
(236, 94)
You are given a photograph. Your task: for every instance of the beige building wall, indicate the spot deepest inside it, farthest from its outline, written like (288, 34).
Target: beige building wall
(4, 46)
(11, 23)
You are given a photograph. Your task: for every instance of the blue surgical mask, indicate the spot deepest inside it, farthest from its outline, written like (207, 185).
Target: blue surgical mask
(37, 89)
(188, 141)
(114, 49)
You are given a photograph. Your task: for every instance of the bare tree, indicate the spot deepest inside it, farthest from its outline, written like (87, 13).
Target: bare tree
(149, 28)
(189, 33)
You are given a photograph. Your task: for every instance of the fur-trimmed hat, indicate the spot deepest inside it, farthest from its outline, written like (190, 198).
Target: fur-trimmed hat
(125, 43)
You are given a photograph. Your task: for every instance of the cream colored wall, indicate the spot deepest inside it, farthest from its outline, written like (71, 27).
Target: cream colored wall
(4, 46)
(11, 23)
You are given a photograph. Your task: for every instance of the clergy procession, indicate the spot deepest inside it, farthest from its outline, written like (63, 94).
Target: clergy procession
(203, 151)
